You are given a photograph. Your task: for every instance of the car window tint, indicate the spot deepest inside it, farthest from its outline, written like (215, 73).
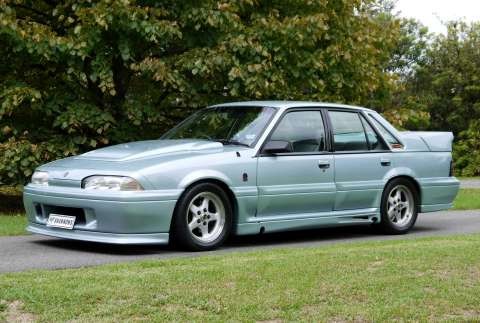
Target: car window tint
(374, 141)
(303, 130)
(348, 132)
(385, 133)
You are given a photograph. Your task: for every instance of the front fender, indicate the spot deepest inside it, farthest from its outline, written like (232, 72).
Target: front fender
(203, 174)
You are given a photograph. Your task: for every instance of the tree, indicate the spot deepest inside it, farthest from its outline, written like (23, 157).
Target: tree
(75, 75)
(444, 84)
(408, 104)
(453, 71)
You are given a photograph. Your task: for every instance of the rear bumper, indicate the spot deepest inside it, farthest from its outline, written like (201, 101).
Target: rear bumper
(127, 218)
(113, 238)
(438, 193)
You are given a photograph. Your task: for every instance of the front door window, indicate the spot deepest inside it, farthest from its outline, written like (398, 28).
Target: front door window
(303, 130)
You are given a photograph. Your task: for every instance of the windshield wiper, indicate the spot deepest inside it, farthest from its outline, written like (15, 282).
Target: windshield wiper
(232, 142)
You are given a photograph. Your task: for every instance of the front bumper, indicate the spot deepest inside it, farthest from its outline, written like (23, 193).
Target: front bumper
(125, 218)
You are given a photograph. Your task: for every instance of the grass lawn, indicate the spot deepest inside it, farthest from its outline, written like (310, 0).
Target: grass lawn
(467, 199)
(11, 225)
(429, 279)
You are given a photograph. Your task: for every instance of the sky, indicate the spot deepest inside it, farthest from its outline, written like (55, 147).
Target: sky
(432, 12)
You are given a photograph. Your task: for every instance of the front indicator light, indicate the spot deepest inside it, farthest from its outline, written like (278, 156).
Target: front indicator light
(40, 178)
(111, 183)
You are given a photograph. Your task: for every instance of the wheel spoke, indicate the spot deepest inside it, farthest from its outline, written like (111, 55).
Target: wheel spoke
(391, 200)
(403, 205)
(204, 230)
(205, 204)
(390, 210)
(194, 209)
(193, 224)
(214, 216)
(398, 195)
(392, 214)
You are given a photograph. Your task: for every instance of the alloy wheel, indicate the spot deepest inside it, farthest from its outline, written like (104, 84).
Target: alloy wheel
(206, 217)
(400, 205)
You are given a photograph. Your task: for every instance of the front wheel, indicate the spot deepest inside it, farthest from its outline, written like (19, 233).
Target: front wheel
(399, 207)
(203, 218)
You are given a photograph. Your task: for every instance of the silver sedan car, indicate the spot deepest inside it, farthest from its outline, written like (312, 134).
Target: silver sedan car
(246, 168)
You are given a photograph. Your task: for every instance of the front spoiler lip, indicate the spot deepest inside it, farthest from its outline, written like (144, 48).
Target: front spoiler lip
(101, 237)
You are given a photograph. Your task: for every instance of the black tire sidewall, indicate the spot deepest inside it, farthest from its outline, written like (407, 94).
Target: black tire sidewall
(180, 231)
(386, 223)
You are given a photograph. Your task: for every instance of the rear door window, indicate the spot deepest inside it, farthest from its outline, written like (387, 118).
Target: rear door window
(348, 131)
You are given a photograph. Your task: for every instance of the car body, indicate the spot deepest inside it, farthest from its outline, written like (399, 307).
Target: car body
(337, 179)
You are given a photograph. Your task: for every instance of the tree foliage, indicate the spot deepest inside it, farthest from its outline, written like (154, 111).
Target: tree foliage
(79, 74)
(445, 86)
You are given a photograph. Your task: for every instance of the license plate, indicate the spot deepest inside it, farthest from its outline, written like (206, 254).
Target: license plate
(61, 221)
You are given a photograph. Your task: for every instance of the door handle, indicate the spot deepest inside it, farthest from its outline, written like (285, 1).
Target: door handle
(323, 164)
(385, 162)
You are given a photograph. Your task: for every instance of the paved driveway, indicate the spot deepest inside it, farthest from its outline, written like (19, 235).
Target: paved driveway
(470, 183)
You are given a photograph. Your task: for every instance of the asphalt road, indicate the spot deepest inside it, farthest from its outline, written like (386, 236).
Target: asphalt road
(37, 252)
(470, 183)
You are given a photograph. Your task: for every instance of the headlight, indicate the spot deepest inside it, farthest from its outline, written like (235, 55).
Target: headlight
(111, 183)
(40, 178)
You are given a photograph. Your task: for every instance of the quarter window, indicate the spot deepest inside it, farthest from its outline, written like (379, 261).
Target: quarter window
(386, 134)
(374, 142)
(348, 131)
(303, 130)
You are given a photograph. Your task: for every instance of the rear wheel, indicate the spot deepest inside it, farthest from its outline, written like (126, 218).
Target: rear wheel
(399, 207)
(203, 218)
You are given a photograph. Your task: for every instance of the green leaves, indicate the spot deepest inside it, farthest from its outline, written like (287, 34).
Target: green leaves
(90, 73)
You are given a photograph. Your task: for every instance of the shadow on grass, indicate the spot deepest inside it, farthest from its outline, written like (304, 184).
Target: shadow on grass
(11, 204)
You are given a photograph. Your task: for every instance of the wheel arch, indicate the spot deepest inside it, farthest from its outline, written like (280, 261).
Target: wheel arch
(224, 186)
(415, 184)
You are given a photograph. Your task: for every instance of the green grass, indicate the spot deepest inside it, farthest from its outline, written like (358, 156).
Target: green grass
(11, 225)
(467, 199)
(429, 279)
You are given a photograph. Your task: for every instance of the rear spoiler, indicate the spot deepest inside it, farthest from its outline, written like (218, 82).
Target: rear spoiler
(431, 140)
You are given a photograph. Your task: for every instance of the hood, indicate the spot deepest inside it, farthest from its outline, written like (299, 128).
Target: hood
(150, 148)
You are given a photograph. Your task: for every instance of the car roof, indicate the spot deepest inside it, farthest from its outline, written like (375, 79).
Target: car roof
(288, 104)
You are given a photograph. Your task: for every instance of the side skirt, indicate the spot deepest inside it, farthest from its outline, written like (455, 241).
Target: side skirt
(289, 222)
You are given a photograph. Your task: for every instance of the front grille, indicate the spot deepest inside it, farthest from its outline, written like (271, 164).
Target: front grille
(79, 213)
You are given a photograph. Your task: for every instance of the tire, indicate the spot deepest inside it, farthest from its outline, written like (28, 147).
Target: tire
(203, 218)
(399, 207)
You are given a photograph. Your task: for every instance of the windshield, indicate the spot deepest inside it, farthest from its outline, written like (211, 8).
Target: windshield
(229, 125)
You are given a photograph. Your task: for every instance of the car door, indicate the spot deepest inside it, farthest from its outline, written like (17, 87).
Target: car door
(298, 183)
(362, 159)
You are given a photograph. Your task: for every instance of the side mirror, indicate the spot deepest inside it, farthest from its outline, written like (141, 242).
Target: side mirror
(277, 147)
